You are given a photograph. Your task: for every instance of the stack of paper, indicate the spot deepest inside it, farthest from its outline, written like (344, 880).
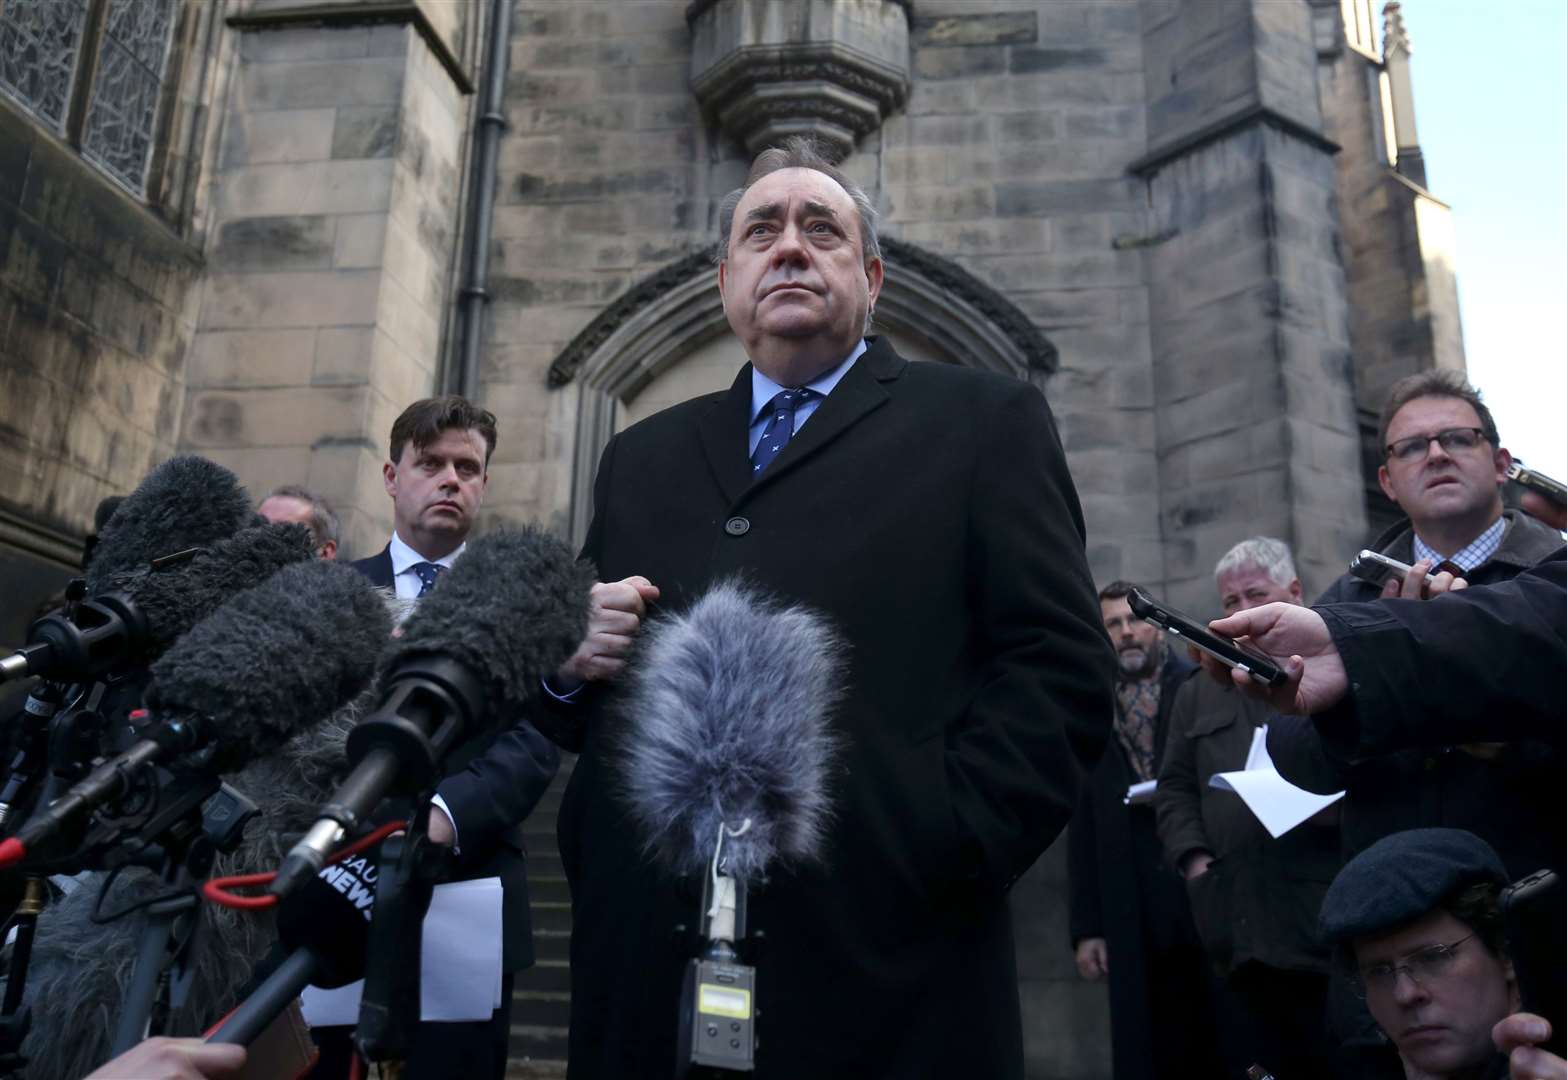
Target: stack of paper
(1138, 794)
(1278, 804)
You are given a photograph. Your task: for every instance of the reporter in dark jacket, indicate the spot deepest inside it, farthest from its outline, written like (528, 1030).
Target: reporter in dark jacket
(1445, 467)
(1129, 915)
(1254, 898)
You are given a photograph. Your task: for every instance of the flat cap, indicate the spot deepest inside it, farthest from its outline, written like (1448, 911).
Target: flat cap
(1402, 877)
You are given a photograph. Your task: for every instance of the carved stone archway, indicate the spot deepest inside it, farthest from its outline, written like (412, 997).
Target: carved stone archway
(673, 312)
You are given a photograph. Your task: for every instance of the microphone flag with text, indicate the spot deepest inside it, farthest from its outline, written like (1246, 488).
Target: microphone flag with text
(726, 762)
(469, 660)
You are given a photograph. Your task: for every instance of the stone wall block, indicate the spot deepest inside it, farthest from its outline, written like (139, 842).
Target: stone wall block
(282, 417)
(239, 358)
(295, 242)
(324, 187)
(243, 301)
(283, 135)
(365, 132)
(322, 84)
(360, 241)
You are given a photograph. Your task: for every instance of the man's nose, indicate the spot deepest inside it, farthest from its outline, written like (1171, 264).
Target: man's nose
(789, 248)
(1406, 991)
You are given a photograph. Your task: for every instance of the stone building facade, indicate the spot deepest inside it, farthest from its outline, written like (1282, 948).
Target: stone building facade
(254, 229)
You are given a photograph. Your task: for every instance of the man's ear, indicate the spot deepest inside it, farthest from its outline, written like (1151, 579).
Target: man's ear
(1386, 485)
(874, 272)
(389, 478)
(1514, 997)
(723, 300)
(1296, 592)
(1503, 459)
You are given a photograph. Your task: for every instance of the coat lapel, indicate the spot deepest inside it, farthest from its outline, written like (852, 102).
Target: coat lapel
(722, 430)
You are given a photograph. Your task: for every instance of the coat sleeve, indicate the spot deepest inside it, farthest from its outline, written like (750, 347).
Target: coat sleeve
(561, 720)
(1039, 717)
(501, 786)
(1086, 914)
(1481, 664)
(1178, 797)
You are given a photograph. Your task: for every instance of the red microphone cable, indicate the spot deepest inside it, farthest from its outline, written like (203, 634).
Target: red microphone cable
(217, 890)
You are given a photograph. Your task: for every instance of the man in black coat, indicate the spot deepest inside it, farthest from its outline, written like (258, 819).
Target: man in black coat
(1130, 919)
(926, 510)
(436, 476)
(1445, 467)
(1255, 897)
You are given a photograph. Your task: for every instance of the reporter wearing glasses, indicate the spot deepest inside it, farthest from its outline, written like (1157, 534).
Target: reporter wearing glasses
(1444, 466)
(1416, 920)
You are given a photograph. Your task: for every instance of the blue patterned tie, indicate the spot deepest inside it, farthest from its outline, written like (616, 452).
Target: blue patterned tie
(427, 572)
(780, 427)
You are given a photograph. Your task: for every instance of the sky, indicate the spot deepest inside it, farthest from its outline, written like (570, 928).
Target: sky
(1491, 108)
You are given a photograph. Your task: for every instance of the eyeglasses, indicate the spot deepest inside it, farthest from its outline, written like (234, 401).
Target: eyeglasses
(1423, 966)
(1454, 439)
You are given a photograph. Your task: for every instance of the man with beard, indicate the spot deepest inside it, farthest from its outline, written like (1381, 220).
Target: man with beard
(1130, 919)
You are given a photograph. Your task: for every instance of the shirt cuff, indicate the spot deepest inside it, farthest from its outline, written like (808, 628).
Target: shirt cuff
(567, 696)
(438, 803)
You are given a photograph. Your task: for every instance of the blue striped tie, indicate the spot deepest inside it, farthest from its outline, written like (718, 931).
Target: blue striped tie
(780, 427)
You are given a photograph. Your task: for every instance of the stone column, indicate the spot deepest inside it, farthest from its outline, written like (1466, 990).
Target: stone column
(1249, 322)
(335, 208)
(1396, 52)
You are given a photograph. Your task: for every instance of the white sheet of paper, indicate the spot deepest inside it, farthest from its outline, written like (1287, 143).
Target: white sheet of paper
(1140, 793)
(460, 962)
(1276, 802)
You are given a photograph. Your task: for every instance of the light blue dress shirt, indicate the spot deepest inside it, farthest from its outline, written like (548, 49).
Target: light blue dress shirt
(763, 390)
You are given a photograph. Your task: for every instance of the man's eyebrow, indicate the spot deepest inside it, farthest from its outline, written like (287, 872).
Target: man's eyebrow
(766, 212)
(820, 209)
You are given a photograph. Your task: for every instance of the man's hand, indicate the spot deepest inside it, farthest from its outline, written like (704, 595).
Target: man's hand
(1316, 671)
(174, 1059)
(614, 618)
(1093, 959)
(440, 829)
(1414, 586)
(1549, 511)
(1518, 1037)
(1196, 864)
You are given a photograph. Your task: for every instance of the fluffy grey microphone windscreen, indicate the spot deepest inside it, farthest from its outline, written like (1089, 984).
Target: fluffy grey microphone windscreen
(274, 659)
(728, 719)
(186, 502)
(511, 610)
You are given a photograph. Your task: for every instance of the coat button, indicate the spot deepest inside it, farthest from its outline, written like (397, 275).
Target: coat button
(737, 526)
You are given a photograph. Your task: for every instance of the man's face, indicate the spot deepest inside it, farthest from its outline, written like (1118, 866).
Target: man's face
(1247, 587)
(1137, 644)
(794, 283)
(436, 490)
(1440, 1022)
(284, 509)
(1443, 486)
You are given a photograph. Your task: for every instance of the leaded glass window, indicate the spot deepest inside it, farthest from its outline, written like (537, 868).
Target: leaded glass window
(127, 87)
(40, 43)
(93, 72)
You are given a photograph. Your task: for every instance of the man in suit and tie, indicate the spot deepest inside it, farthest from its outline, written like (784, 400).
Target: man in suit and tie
(925, 509)
(436, 476)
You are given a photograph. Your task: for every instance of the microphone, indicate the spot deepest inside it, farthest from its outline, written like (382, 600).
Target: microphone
(725, 763)
(187, 502)
(82, 967)
(470, 657)
(274, 659)
(727, 714)
(144, 611)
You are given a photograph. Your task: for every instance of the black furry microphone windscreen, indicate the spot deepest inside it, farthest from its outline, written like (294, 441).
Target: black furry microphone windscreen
(175, 598)
(511, 610)
(728, 720)
(186, 502)
(274, 658)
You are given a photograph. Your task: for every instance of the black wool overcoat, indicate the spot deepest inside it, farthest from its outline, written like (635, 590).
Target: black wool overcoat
(927, 510)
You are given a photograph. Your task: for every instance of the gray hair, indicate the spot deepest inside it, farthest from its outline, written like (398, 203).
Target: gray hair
(798, 152)
(1265, 553)
(323, 519)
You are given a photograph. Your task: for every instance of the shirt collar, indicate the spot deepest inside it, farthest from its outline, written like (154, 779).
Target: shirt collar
(404, 556)
(1473, 554)
(763, 389)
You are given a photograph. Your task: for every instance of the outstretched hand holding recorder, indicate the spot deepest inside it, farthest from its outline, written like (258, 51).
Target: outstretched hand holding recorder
(1225, 650)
